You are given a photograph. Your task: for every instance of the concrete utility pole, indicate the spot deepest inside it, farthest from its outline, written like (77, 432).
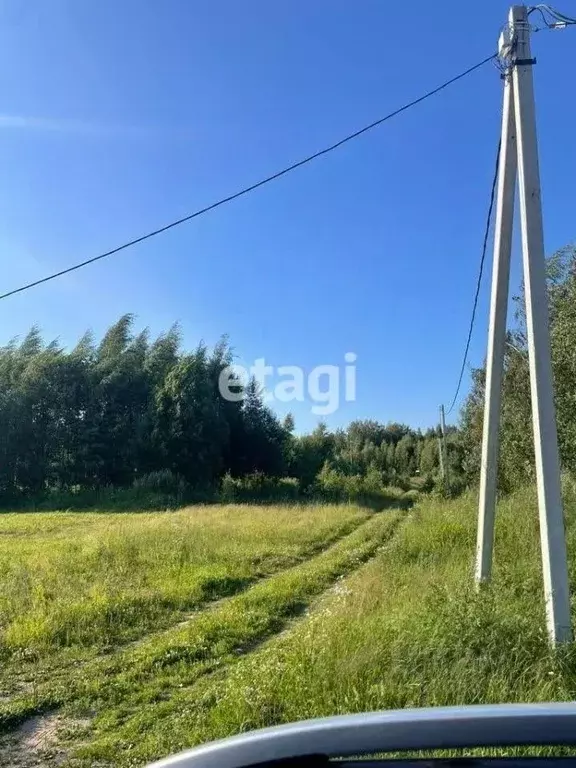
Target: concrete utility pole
(441, 459)
(520, 153)
(496, 336)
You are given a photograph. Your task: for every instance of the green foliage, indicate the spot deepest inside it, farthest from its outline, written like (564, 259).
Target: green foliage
(450, 488)
(369, 488)
(261, 448)
(227, 488)
(516, 465)
(161, 481)
(429, 458)
(309, 453)
(427, 484)
(103, 420)
(405, 458)
(258, 487)
(107, 423)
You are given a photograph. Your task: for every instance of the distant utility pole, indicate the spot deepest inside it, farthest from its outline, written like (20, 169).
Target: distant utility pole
(519, 157)
(443, 449)
(441, 459)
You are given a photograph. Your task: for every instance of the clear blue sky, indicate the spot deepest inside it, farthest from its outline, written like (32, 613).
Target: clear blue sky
(116, 117)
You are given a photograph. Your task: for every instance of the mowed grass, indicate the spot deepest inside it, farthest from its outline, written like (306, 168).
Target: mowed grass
(78, 580)
(407, 629)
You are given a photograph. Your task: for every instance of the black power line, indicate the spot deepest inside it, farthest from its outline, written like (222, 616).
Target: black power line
(479, 281)
(251, 188)
(559, 20)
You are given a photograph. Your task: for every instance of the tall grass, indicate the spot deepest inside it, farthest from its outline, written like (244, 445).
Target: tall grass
(70, 580)
(406, 630)
(133, 678)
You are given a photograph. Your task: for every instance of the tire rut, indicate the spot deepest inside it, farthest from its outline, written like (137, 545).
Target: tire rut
(218, 673)
(216, 661)
(20, 682)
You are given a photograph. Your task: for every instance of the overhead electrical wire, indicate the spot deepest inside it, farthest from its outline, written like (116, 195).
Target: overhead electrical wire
(560, 21)
(252, 187)
(479, 280)
(543, 16)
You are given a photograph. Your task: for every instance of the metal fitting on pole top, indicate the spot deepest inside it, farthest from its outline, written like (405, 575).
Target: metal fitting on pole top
(507, 45)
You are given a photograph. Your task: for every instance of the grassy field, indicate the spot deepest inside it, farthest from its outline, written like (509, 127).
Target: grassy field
(110, 613)
(76, 580)
(350, 612)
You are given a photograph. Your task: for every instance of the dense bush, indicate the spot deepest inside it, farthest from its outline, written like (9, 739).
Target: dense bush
(449, 488)
(259, 487)
(332, 485)
(161, 481)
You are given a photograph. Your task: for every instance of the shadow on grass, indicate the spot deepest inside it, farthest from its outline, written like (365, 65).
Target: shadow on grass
(128, 501)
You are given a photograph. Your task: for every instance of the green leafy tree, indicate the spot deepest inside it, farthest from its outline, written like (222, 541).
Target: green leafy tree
(311, 453)
(516, 463)
(191, 426)
(429, 457)
(263, 437)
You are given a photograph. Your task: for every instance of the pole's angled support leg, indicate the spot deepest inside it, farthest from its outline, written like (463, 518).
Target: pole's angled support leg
(552, 533)
(496, 336)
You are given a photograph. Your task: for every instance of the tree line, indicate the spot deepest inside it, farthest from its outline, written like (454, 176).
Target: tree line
(516, 462)
(130, 410)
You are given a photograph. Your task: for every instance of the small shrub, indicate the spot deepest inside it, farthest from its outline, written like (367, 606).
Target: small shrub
(449, 489)
(369, 489)
(403, 483)
(161, 481)
(228, 488)
(428, 484)
(259, 487)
